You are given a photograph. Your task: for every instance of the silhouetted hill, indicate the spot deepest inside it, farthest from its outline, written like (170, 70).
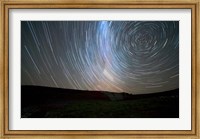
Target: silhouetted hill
(43, 95)
(47, 102)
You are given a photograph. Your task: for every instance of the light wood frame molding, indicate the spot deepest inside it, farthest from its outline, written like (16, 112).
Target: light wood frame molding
(143, 4)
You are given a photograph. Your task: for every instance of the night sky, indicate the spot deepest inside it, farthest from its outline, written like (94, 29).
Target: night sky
(118, 56)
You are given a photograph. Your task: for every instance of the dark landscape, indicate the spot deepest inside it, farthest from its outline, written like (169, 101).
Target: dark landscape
(48, 102)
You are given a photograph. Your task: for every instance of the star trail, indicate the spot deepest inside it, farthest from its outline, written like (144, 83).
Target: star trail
(119, 56)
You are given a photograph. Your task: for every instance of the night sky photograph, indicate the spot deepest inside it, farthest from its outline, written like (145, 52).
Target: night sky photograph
(99, 69)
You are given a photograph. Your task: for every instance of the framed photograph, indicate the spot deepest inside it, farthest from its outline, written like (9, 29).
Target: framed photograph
(104, 69)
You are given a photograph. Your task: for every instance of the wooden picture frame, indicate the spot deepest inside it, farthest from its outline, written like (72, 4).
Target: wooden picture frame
(144, 4)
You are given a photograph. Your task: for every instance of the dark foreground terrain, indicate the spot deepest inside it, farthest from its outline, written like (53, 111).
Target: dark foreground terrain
(46, 102)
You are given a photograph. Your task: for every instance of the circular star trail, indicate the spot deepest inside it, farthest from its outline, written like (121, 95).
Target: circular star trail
(119, 56)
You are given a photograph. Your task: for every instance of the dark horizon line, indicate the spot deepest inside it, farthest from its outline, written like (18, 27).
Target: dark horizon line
(94, 90)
